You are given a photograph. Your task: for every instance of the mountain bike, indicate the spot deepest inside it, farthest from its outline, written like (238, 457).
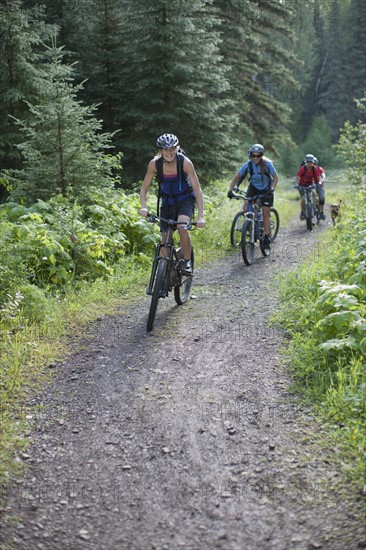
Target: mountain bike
(239, 219)
(309, 209)
(166, 273)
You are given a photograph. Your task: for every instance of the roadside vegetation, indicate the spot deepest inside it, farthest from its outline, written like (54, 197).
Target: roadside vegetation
(324, 313)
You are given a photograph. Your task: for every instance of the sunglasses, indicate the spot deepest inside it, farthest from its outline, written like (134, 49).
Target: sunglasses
(256, 156)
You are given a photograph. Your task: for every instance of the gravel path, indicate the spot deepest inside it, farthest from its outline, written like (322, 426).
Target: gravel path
(187, 437)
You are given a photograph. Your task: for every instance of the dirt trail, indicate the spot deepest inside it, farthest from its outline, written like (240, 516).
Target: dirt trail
(185, 438)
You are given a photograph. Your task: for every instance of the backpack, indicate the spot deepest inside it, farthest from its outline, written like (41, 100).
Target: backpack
(159, 167)
(304, 170)
(180, 171)
(251, 172)
(265, 173)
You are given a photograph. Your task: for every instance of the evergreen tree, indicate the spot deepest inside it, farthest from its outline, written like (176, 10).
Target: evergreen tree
(21, 33)
(63, 151)
(332, 93)
(173, 81)
(354, 59)
(255, 48)
(319, 142)
(72, 18)
(103, 59)
(308, 24)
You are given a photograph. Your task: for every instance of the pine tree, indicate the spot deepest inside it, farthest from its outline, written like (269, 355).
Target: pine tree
(173, 81)
(21, 33)
(254, 37)
(354, 59)
(332, 94)
(63, 151)
(103, 59)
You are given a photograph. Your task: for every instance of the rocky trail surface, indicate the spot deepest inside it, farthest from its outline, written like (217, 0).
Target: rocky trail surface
(187, 437)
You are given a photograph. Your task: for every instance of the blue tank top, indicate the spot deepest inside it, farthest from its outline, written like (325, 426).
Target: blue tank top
(175, 187)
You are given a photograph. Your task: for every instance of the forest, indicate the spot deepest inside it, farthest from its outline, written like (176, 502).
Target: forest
(86, 86)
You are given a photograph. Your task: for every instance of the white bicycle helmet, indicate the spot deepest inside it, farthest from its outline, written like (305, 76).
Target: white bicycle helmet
(167, 140)
(309, 158)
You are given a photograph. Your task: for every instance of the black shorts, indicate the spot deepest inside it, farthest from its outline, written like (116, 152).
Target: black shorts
(181, 208)
(266, 194)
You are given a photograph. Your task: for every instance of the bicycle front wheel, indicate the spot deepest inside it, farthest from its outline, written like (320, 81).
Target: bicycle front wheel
(159, 284)
(247, 242)
(309, 216)
(235, 232)
(183, 289)
(274, 223)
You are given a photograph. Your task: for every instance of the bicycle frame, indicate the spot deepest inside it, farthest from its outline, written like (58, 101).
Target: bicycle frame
(172, 257)
(309, 197)
(255, 215)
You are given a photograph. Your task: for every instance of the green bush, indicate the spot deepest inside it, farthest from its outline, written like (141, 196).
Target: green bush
(324, 313)
(352, 145)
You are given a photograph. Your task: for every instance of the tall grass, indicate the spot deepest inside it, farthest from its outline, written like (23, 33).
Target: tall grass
(324, 315)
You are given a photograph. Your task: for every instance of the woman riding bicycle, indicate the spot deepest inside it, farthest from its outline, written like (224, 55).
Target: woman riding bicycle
(179, 189)
(262, 181)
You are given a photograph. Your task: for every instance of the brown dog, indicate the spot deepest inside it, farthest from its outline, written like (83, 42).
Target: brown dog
(335, 212)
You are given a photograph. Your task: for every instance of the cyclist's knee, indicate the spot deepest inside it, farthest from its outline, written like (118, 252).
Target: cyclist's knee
(182, 230)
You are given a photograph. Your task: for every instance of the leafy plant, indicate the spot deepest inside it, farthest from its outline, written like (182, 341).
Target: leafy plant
(352, 144)
(324, 312)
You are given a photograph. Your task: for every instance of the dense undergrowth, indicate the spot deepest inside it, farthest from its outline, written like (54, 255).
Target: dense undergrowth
(324, 314)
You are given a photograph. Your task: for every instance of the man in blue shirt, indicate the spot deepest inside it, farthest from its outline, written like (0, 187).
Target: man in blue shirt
(263, 179)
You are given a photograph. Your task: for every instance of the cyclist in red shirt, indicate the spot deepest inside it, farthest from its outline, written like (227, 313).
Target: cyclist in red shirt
(307, 175)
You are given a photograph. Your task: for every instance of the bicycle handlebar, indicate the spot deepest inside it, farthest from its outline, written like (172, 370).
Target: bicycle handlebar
(242, 195)
(310, 186)
(152, 218)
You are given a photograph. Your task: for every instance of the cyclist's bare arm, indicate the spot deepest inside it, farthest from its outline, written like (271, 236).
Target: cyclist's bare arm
(193, 178)
(149, 176)
(234, 181)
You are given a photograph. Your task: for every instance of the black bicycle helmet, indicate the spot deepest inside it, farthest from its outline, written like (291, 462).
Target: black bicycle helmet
(167, 140)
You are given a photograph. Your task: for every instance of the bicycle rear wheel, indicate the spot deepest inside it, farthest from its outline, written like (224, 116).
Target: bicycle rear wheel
(183, 289)
(160, 282)
(235, 232)
(274, 223)
(247, 242)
